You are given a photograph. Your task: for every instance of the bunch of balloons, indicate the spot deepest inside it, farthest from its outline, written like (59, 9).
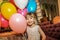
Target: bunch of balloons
(13, 14)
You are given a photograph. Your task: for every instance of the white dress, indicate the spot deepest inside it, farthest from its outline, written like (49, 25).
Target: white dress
(33, 33)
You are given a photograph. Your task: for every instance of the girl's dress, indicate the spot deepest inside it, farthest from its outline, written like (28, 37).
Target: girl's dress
(33, 33)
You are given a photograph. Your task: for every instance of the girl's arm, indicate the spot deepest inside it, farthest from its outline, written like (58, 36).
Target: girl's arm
(7, 34)
(42, 34)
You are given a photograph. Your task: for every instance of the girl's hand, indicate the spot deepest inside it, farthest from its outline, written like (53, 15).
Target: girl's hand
(44, 38)
(7, 34)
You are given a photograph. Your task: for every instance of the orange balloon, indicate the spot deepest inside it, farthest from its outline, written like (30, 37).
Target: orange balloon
(56, 20)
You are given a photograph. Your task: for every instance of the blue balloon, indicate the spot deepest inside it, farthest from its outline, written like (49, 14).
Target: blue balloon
(32, 0)
(32, 5)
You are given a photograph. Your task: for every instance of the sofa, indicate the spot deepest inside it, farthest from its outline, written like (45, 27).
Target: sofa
(52, 31)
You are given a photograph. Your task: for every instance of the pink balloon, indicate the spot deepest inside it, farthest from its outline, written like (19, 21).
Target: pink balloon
(0, 19)
(0, 23)
(23, 12)
(4, 22)
(18, 23)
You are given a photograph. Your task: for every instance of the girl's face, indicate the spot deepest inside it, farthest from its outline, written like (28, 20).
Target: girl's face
(30, 20)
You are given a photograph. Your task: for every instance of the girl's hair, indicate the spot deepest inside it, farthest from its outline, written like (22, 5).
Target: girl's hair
(31, 14)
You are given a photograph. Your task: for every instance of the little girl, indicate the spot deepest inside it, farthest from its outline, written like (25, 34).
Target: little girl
(34, 31)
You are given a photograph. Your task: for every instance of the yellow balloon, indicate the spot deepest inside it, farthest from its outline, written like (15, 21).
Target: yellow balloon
(7, 10)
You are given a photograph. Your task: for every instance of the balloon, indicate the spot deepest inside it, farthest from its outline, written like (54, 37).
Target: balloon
(0, 20)
(21, 3)
(23, 12)
(4, 22)
(1, 2)
(18, 23)
(0, 23)
(32, 6)
(8, 10)
(12, 1)
(32, 0)
(56, 20)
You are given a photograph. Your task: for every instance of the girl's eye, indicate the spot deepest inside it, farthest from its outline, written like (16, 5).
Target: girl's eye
(31, 18)
(27, 19)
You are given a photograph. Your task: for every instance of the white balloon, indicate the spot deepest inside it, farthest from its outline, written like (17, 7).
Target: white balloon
(21, 3)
